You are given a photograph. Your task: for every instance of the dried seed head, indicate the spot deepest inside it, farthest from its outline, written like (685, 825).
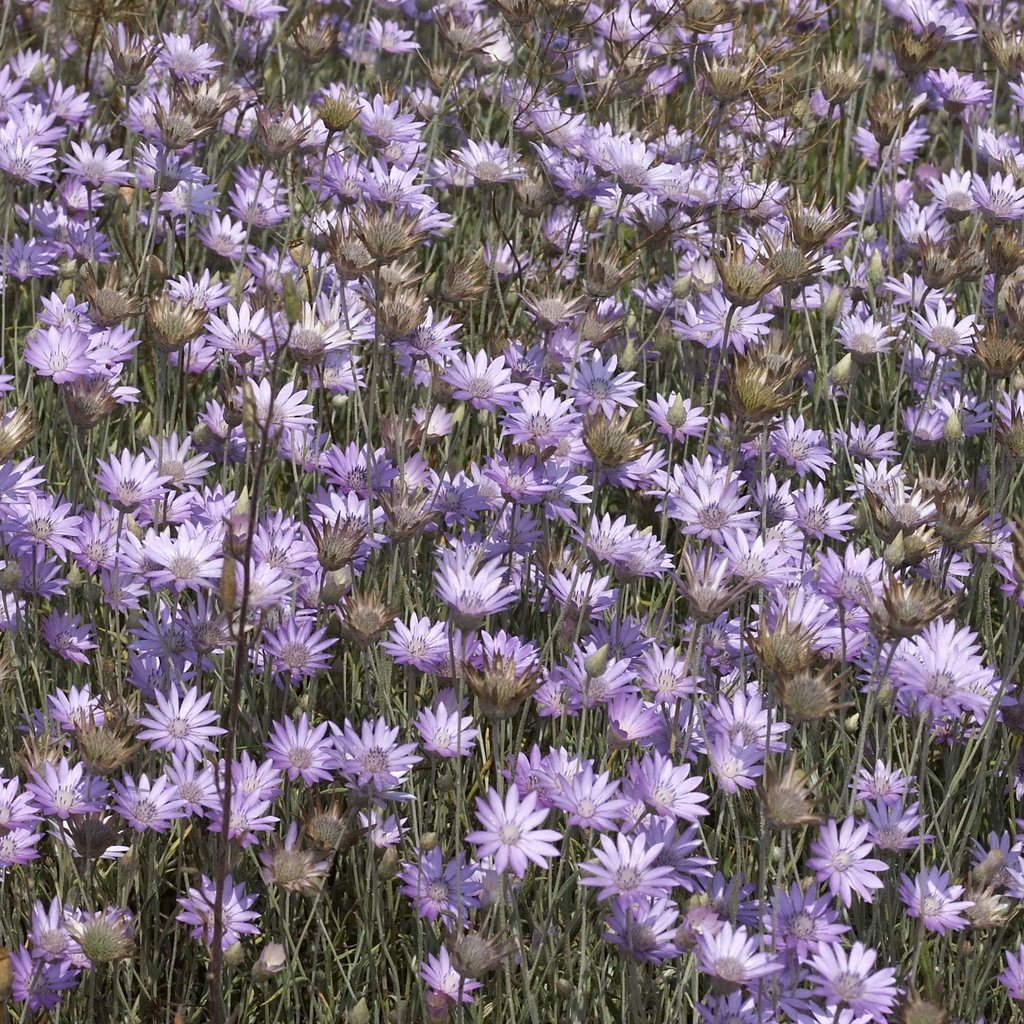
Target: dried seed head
(786, 800)
(839, 80)
(89, 400)
(330, 829)
(464, 278)
(704, 15)
(364, 618)
(474, 954)
(915, 52)
(388, 233)
(207, 102)
(292, 868)
(179, 127)
(109, 304)
(743, 283)
(960, 514)
(130, 59)
(106, 748)
(502, 686)
(339, 111)
(408, 512)
(92, 836)
(729, 79)
(314, 38)
(916, 1010)
(810, 696)
(907, 606)
(1005, 252)
(886, 112)
(1000, 353)
(610, 440)
(17, 429)
(337, 543)
(812, 228)
(533, 196)
(763, 382)
(553, 309)
(607, 272)
(173, 324)
(276, 134)
(103, 937)
(989, 910)
(400, 311)
(785, 650)
(1004, 47)
(706, 590)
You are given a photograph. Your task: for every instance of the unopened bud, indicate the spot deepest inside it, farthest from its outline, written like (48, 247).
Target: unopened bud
(389, 864)
(833, 301)
(428, 842)
(876, 269)
(228, 583)
(842, 372)
(234, 954)
(896, 552)
(272, 961)
(953, 431)
(596, 664)
(359, 1014)
(681, 287)
(676, 415)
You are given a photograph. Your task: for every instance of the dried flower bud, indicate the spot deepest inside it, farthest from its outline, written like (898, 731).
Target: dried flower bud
(785, 798)
(272, 960)
(109, 304)
(474, 954)
(103, 937)
(364, 618)
(172, 324)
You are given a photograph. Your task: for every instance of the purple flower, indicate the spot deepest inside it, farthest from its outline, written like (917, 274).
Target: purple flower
(846, 979)
(446, 733)
(371, 757)
(65, 791)
(129, 481)
(511, 832)
(181, 723)
(625, 869)
(840, 859)
(148, 805)
(440, 889)
(301, 752)
(644, 929)
(930, 897)
(39, 984)
(730, 955)
(801, 922)
(667, 789)
(1012, 978)
(445, 983)
(239, 919)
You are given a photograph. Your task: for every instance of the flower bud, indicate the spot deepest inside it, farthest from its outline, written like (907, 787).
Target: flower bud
(596, 664)
(876, 269)
(271, 961)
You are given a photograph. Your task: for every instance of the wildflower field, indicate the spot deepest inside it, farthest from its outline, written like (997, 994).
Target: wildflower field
(511, 511)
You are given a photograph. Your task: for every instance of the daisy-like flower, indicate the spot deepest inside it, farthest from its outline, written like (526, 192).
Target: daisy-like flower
(445, 985)
(65, 791)
(952, 191)
(595, 387)
(999, 198)
(591, 801)
(863, 336)
(819, 517)
(625, 868)
(483, 382)
(471, 588)
(446, 733)
(38, 522)
(239, 919)
(644, 929)
(441, 889)
(422, 644)
(40, 986)
(847, 979)
(930, 897)
(801, 922)
(943, 333)
(541, 418)
(667, 789)
(731, 955)
(186, 59)
(707, 326)
(800, 447)
(840, 860)
(298, 649)
(67, 637)
(192, 560)
(129, 481)
(708, 501)
(148, 805)
(181, 724)
(372, 758)
(301, 752)
(60, 353)
(629, 162)
(511, 832)
(488, 163)
(1012, 979)
(97, 167)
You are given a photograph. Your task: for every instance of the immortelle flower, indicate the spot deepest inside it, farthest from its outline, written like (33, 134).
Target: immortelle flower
(181, 724)
(371, 757)
(625, 868)
(445, 985)
(644, 930)
(846, 979)
(840, 859)
(64, 791)
(40, 985)
(440, 889)
(731, 955)
(302, 752)
(148, 805)
(511, 832)
(930, 897)
(130, 481)
(1012, 978)
(239, 919)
